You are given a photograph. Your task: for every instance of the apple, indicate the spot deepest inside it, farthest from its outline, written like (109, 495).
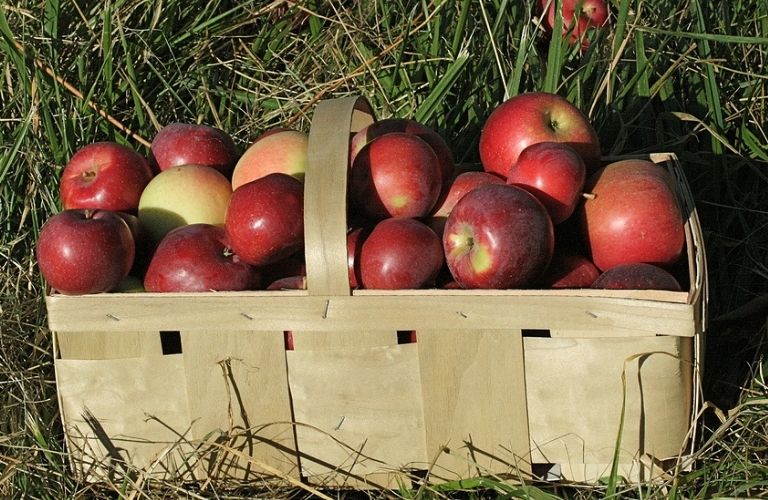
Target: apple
(498, 236)
(297, 282)
(395, 175)
(292, 265)
(534, 117)
(197, 258)
(400, 253)
(278, 150)
(265, 219)
(104, 175)
(637, 276)
(554, 173)
(81, 251)
(632, 216)
(355, 239)
(578, 17)
(458, 187)
(408, 126)
(569, 269)
(183, 195)
(179, 144)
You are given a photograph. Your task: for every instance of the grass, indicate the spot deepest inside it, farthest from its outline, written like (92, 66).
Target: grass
(668, 75)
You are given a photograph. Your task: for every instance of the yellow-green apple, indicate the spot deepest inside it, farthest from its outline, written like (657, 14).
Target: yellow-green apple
(578, 17)
(554, 173)
(637, 276)
(569, 269)
(183, 195)
(632, 215)
(197, 258)
(533, 117)
(265, 219)
(458, 187)
(104, 175)
(355, 239)
(498, 236)
(278, 150)
(395, 175)
(400, 253)
(81, 251)
(179, 144)
(408, 126)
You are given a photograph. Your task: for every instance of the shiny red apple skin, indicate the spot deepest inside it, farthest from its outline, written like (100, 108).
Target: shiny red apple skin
(637, 276)
(534, 117)
(400, 253)
(569, 269)
(591, 13)
(355, 239)
(632, 215)
(408, 126)
(179, 144)
(498, 236)
(83, 251)
(265, 219)
(106, 176)
(196, 258)
(395, 175)
(554, 173)
(456, 189)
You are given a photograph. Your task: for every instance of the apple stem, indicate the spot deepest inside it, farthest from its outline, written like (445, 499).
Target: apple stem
(589, 196)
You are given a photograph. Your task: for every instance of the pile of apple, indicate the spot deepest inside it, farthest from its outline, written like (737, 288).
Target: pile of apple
(542, 212)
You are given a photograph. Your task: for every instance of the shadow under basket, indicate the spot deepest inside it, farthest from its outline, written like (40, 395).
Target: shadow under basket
(382, 388)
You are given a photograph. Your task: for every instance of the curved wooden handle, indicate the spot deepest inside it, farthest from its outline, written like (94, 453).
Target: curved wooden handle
(325, 192)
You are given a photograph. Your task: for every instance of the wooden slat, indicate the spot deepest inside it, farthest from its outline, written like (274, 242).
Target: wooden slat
(101, 345)
(238, 390)
(614, 316)
(323, 341)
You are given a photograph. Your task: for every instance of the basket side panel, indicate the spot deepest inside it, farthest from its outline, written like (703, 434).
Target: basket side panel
(474, 402)
(239, 403)
(576, 393)
(99, 345)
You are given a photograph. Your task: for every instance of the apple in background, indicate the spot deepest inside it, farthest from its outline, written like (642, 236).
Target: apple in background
(298, 282)
(106, 176)
(637, 276)
(498, 236)
(395, 175)
(179, 144)
(408, 126)
(355, 239)
(458, 187)
(578, 16)
(400, 253)
(530, 118)
(183, 195)
(82, 251)
(196, 258)
(278, 150)
(569, 269)
(554, 173)
(265, 219)
(633, 215)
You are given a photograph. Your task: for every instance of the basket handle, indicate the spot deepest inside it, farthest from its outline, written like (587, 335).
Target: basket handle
(325, 192)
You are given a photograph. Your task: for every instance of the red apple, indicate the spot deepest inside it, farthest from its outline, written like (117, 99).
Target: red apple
(278, 150)
(632, 216)
(355, 239)
(569, 269)
(530, 118)
(498, 236)
(265, 219)
(395, 175)
(177, 196)
(106, 176)
(408, 126)
(400, 253)
(297, 282)
(83, 251)
(196, 258)
(458, 187)
(179, 144)
(578, 16)
(554, 173)
(637, 276)
(292, 265)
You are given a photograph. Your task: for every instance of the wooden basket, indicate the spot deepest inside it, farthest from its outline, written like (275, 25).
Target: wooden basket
(503, 382)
